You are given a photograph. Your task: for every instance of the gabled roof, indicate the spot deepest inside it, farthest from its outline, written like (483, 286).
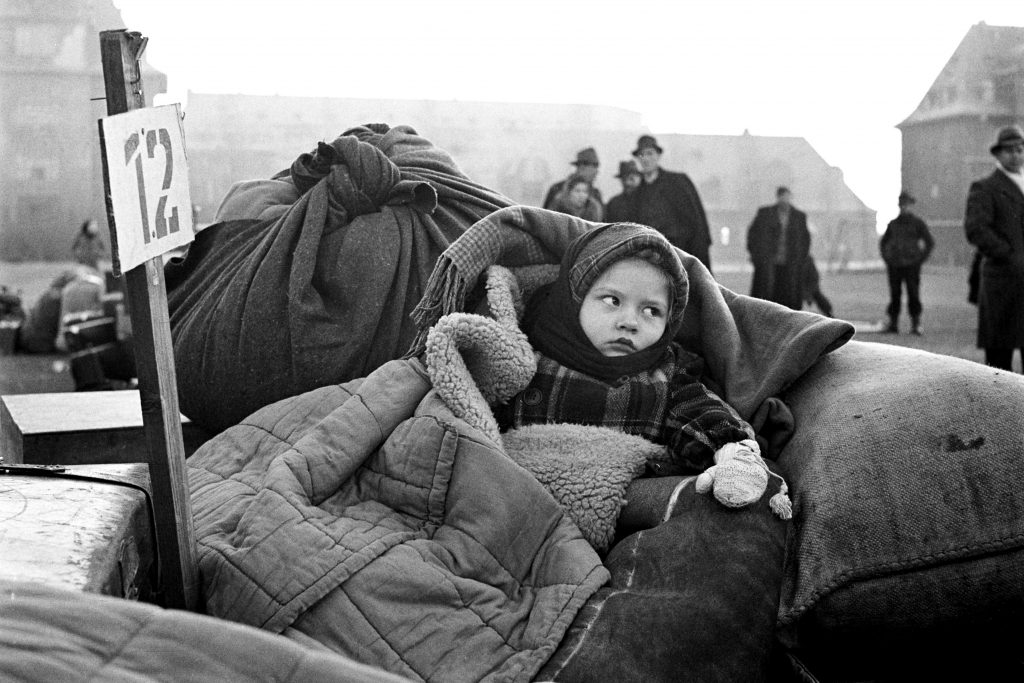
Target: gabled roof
(734, 170)
(975, 79)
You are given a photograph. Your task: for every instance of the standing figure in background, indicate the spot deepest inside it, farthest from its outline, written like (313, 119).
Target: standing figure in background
(668, 202)
(905, 246)
(88, 247)
(994, 224)
(575, 200)
(779, 243)
(620, 207)
(586, 167)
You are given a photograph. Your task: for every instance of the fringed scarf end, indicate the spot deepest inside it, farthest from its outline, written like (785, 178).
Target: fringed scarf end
(445, 293)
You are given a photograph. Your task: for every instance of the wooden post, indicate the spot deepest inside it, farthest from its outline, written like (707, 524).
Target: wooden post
(154, 358)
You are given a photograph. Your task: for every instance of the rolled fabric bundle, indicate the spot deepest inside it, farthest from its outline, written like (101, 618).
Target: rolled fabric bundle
(317, 292)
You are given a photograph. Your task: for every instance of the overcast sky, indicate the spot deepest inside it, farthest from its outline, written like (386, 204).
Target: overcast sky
(841, 73)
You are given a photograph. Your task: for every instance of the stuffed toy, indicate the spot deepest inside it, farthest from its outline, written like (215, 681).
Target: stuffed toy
(739, 477)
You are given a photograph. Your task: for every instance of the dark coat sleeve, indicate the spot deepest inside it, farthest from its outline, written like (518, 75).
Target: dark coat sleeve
(698, 423)
(619, 209)
(980, 221)
(884, 241)
(549, 199)
(801, 239)
(759, 236)
(925, 235)
(701, 240)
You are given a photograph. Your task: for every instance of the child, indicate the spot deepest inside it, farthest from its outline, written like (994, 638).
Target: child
(604, 336)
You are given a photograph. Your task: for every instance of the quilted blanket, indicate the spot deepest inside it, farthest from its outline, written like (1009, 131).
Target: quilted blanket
(368, 518)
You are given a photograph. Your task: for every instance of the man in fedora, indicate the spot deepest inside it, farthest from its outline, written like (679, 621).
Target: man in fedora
(906, 245)
(620, 207)
(668, 202)
(586, 167)
(994, 224)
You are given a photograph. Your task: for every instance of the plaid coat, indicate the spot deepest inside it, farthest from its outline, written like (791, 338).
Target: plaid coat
(667, 404)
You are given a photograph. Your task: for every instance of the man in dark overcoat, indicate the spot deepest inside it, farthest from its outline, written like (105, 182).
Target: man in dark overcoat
(668, 202)
(994, 224)
(779, 242)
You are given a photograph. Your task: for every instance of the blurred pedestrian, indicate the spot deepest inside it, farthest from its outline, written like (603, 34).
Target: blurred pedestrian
(779, 243)
(994, 224)
(587, 166)
(620, 207)
(668, 202)
(905, 245)
(575, 199)
(88, 247)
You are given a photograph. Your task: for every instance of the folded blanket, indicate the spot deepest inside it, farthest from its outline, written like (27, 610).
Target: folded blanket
(310, 276)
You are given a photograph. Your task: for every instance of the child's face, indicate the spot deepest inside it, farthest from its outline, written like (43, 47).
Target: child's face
(627, 308)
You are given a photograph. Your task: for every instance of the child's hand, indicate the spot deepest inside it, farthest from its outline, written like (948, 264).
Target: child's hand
(738, 477)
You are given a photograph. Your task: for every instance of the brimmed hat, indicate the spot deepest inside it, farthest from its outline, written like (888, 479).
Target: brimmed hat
(1011, 135)
(627, 168)
(586, 156)
(646, 142)
(906, 198)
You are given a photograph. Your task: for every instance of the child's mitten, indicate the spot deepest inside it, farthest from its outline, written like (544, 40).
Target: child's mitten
(739, 477)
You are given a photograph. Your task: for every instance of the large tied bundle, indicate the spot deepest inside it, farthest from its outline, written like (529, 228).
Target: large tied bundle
(308, 278)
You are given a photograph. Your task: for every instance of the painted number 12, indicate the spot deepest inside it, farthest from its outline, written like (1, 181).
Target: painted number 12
(133, 152)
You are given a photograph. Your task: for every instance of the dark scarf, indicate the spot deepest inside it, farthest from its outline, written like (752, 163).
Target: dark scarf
(552, 319)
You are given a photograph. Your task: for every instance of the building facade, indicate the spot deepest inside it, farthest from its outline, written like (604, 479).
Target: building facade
(521, 149)
(947, 137)
(51, 95)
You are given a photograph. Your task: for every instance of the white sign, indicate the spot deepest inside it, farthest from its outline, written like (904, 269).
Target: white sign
(147, 182)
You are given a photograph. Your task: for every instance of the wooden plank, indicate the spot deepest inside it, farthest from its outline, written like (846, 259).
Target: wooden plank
(154, 356)
(78, 428)
(80, 535)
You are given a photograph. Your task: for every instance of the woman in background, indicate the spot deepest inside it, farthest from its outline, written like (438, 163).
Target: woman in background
(575, 200)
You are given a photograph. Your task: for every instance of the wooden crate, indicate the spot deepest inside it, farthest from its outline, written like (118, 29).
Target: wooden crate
(79, 428)
(79, 534)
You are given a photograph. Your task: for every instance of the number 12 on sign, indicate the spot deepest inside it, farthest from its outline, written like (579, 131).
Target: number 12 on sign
(146, 175)
(133, 152)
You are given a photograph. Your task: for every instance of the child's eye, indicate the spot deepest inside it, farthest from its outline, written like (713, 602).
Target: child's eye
(653, 311)
(610, 299)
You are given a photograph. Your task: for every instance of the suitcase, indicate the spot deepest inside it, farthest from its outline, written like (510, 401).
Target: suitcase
(85, 528)
(100, 359)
